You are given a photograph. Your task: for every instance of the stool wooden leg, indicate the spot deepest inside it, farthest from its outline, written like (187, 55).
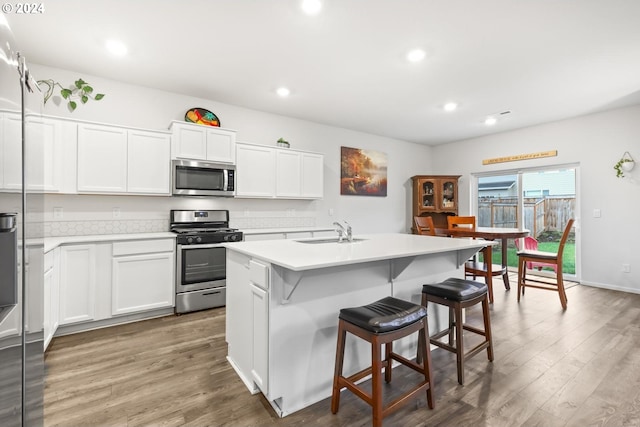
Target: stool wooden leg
(388, 348)
(459, 344)
(376, 383)
(428, 371)
(452, 322)
(335, 396)
(521, 266)
(487, 328)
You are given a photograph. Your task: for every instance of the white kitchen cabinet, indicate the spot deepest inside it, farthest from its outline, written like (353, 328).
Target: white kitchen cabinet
(288, 173)
(255, 171)
(148, 166)
(199, 142)
(102, 159)
(51, 294)
(270, 172)
(77, 283)
(142, 276)
(44, 153)
(312, 176)
(259, 285)
(84, 280)
(117, 160)
(11, 152)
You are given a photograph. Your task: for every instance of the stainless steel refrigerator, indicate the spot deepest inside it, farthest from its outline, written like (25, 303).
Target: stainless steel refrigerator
(21, 244)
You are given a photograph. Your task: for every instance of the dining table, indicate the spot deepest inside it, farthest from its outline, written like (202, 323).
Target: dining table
(489, 233)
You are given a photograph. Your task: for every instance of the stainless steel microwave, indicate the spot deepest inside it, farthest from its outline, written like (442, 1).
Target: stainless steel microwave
(199, 178)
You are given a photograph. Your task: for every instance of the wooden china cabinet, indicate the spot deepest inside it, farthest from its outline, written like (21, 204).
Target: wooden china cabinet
(435, 196)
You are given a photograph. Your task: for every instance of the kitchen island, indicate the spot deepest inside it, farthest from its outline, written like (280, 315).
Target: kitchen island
(284, 297)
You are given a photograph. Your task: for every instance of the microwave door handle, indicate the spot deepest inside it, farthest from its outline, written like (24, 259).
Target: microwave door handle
(225, 181)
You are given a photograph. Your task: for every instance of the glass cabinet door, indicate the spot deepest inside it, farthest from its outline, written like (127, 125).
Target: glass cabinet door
(448, 195)
(428, 196)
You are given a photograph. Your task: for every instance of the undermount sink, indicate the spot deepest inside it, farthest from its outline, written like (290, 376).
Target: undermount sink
(330, 240)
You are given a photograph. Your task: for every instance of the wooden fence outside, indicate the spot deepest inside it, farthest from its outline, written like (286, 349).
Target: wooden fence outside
(540, 214)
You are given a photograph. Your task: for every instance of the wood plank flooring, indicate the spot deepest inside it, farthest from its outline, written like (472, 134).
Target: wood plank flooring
(552, 368)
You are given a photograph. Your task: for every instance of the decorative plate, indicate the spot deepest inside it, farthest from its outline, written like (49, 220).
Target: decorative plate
(202, 116)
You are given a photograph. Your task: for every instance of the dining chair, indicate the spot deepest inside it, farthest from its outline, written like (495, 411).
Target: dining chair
(531, 244)
(528, 255)
(474, 267)
(424, 225)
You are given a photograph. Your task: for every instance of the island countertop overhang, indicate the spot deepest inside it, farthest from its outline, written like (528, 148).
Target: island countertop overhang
(296, 256)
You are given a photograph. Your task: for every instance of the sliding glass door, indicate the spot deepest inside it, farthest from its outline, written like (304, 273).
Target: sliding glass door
(540, 200)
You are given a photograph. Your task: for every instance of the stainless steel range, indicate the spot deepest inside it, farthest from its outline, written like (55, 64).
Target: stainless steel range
(201, 260)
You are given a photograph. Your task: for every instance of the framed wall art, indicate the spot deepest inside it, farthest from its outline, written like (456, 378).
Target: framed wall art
(363, 172)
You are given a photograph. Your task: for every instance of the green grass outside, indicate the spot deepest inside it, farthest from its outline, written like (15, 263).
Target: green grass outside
(568, 260)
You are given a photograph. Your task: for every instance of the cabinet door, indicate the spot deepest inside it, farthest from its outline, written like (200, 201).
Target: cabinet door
(221, 145)
(190, 142)
(260, 353)
(48, 286)
(102, 159)
(12, 152)
(448, 195)
(312, 175)
(427, 197)
(148, 162)
(255, 174)
(44, 154)
(77, 283)
(142, 282)
(288, 173)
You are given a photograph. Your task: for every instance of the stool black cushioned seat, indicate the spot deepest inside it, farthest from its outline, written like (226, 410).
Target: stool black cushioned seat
(456, 289)
(381, 323)
(385, 315)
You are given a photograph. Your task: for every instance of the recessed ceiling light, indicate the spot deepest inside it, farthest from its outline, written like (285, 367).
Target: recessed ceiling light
(116, 47)
(450, 106)
(283, 92)
(311, 7)
(490, 121)
(416, 55)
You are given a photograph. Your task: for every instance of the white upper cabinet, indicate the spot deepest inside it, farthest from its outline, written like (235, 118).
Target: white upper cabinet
(288, 172)
(255, 171)
(148, 168)
(102, 159)
(117, 160)
(11, 151)
(271, 172)
(199, 142)
(312, 175)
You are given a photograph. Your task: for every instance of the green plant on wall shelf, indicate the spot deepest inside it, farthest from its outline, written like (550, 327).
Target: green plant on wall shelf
(80, 90)
(625, 164)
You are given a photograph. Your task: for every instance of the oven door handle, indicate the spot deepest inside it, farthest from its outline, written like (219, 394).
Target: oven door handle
(200, 246)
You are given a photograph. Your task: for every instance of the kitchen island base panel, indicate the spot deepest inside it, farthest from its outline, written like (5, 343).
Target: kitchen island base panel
(302, 331)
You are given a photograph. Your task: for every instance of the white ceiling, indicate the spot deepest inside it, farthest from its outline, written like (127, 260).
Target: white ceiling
(542, 60)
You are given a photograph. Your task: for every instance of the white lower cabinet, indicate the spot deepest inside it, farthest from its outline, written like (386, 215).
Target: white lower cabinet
(51, 294)
(142, 276)
(78, 283)
(260, 354)
(100, 281)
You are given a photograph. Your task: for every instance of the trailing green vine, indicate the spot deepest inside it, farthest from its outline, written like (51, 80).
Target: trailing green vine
(80, 90)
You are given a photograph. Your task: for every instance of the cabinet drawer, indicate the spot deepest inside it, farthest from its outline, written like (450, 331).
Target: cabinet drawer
(143, 247)
(259, 274)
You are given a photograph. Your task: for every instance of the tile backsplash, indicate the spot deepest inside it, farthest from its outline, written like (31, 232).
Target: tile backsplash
(126, 226)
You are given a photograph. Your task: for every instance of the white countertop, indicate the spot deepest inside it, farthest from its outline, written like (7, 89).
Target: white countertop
(296, 256)
(53, 242)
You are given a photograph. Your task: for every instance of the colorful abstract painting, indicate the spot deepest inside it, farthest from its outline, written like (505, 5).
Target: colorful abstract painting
(363, 172)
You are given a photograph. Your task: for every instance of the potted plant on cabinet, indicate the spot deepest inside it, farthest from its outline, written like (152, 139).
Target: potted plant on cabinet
(80, 90)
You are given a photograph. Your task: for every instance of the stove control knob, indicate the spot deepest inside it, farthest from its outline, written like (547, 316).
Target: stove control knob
(198, 239)
(189, 240)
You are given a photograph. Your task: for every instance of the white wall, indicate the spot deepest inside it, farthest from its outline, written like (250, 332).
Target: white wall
(595, 142)
(153, 109)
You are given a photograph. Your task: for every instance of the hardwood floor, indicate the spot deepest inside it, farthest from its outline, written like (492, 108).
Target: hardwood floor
(580, 367)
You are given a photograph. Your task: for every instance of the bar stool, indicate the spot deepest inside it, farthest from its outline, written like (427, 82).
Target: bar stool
(458, 294)
(382, 322)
